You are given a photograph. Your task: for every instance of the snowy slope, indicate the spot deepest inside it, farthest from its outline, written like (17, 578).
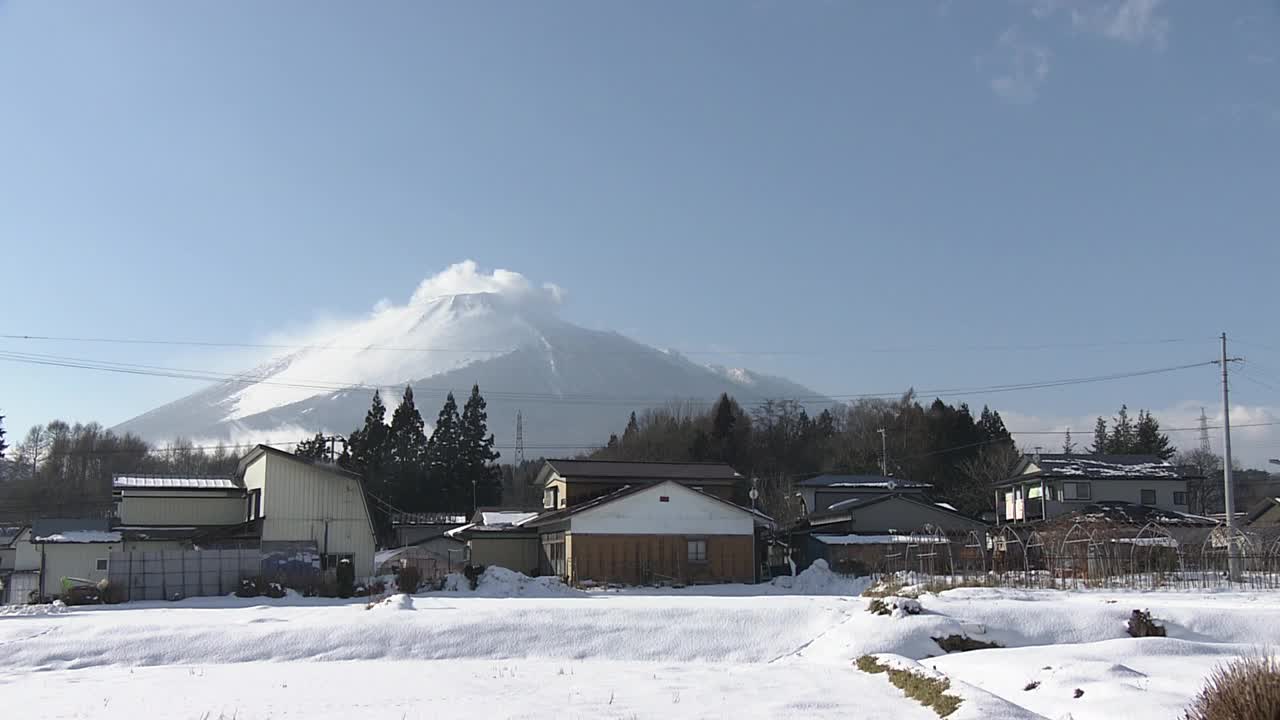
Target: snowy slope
(721, 651)
(573, 385)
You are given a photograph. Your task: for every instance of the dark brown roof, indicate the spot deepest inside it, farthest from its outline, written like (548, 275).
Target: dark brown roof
(644, 472)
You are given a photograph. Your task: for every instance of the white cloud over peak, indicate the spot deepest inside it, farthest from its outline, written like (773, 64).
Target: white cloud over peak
(466, 278)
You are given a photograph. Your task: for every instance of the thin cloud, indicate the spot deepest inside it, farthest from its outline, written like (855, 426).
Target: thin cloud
(1017, 67)
(1135, 22)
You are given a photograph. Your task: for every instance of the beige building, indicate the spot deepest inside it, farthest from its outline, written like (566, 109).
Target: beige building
(298, 500)
(164, 501)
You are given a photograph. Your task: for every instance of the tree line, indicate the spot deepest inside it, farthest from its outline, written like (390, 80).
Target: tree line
(778, 443)
(453, 469)
(63, 469)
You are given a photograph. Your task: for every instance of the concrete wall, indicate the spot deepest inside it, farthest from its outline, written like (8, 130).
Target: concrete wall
(683, 512)
(78, 560)
(301, 502)
(189, 507)
(514, 553)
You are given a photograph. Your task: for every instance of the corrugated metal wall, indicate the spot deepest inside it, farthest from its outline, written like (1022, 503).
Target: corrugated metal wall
(181, 509)
(182, 573)
(302, 502)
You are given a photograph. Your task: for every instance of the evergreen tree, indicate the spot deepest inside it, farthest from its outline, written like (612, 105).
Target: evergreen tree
(367, 450)
(477, 471)
(1068, 445)
(316, 448)
(3, 447)
(408, 482)
(991, 425)
(1100, 438)
(722, 419)
(443, 456)
(825, 425)
(1122, 439)
(1148, 440)
(633, 429)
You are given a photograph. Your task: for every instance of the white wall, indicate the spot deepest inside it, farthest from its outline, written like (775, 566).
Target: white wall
(77, 560)
(685, 513)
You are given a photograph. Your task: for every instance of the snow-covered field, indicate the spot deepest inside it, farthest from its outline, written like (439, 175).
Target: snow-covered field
(535, 649)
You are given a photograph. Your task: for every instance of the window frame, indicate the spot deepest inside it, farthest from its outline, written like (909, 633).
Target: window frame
(1076, 495)
(101, 565)
(1142, 497)
(696, 557)
(1180, 497)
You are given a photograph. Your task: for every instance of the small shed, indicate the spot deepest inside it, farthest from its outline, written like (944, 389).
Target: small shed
(432, 557)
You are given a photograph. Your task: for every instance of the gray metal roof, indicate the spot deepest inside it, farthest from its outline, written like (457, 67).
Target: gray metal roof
(870, 482)
(172, 482)
(643, 471)
(1095, 467)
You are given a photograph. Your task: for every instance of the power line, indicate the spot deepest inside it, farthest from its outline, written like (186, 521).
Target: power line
(639, 350)
(570, 398)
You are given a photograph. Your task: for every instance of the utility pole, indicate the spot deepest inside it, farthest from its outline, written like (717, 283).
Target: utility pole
(519, 458)
(884, 454)
(1228, 491)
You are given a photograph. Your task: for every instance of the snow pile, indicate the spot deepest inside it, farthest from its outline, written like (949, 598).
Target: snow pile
(399, 601)
(817, 579)
(80, 536)
(903, 607)
(55, 608)
(501, 582)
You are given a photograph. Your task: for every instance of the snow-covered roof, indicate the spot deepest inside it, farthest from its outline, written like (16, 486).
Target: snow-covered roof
(870, 482)
(506, 517)
(79, 536)
(879, 539)
(947, 506)
(453, 532)
(171, 482)
(1102, 467)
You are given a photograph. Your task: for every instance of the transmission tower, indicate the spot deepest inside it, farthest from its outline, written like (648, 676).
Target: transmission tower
(1204, 433)
(519, 460)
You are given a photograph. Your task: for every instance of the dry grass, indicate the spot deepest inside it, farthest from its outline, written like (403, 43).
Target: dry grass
(879, 607)
(1247, 689)
(1141, 625)
(963, 643)
(928, 691)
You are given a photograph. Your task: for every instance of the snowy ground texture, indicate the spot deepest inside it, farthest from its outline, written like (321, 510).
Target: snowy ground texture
(535, 649)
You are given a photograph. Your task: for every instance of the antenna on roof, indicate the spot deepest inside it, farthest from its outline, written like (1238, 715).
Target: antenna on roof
(1036, 457)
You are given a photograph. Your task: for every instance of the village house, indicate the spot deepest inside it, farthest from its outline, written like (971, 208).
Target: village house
(627, 522)
(282, 517)
(821, 492)
(1044, 486)
(854, 535)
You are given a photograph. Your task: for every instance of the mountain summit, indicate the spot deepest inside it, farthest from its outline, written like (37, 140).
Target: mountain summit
(573, 385)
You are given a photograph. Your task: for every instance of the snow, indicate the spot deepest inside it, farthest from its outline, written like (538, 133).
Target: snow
(501, 582)
(529, 647)
(148, 481)
(879, 539)
(505, 517)
(80, 536)
(54, 608)
(1087, 467)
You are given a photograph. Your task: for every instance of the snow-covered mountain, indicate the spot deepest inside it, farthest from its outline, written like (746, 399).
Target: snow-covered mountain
(574, 386)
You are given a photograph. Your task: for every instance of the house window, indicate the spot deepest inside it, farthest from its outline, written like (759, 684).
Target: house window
(255, 504)
(101, 565)
(1148, 497)
(1179, 498)
(551, 498)
(330, 561)
(697, 551)
(664, 498)
(1076, 491)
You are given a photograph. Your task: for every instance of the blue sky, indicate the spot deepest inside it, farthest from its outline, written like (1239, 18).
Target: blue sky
(825, 179)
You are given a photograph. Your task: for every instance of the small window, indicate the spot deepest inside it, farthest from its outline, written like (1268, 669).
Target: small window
(1076, 491)
(1179, 498)
(1148, 497)
(697, 551)
(664, 498)
(101, 565)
